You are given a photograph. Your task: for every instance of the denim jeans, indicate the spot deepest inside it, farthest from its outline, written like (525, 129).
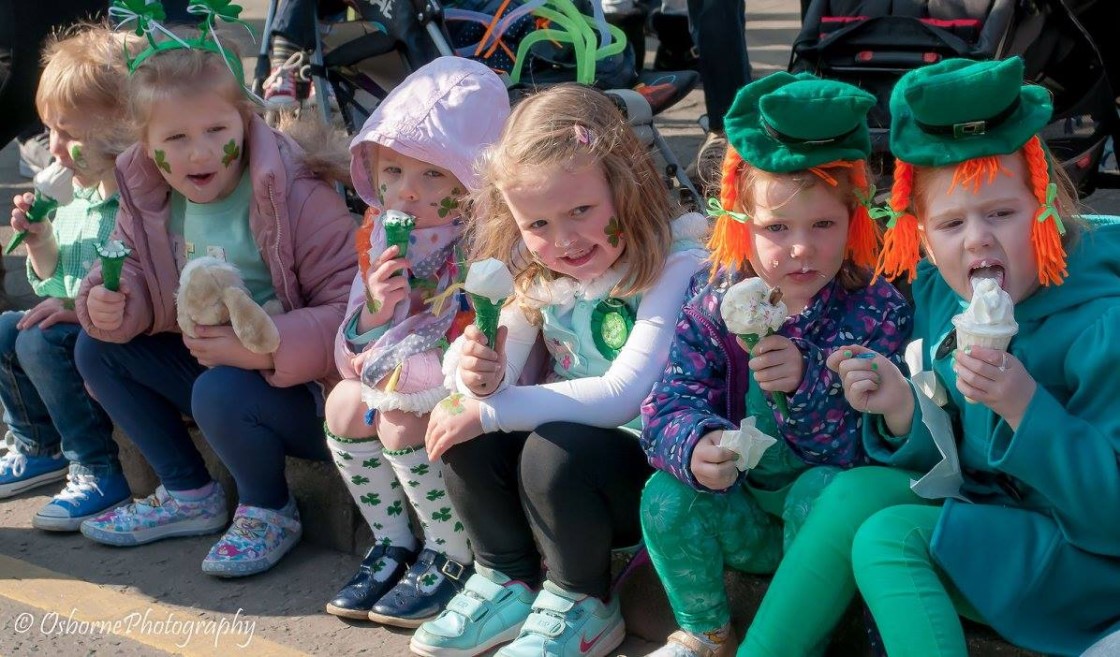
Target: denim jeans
(46, 405)
(148, 384)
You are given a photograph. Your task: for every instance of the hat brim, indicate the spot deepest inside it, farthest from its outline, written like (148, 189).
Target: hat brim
(913, 145)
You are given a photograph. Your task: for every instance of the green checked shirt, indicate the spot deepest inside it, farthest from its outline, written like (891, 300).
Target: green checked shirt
(79, 227)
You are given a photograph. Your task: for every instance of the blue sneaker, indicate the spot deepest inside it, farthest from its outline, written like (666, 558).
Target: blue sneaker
(489, 611)
(84, 497)
(19, 473)
(159, 516)
(566, 624)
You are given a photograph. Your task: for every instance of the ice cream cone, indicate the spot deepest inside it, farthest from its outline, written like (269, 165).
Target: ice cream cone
(398, 227)
(113, 254)
(489, 283)
(751, 310)
(989, 320)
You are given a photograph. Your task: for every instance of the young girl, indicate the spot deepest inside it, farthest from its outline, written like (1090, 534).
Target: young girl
(794, 194)
(46, 406)
(417, 151)
(1030, 545)
(210, 178)
(573, 203)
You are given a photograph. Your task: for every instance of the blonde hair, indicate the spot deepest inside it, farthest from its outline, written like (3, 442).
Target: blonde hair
(910, 197)
(85, 71)
(560, 126)
(185, 71)
(846, 181)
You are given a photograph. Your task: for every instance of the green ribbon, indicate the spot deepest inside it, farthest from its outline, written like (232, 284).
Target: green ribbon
(1051, 208)
(887, 211)
(876, 211)
(715, 209)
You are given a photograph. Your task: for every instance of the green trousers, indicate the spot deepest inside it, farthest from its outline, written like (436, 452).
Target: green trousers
(814, 584)
(692, 535)
(914, 603)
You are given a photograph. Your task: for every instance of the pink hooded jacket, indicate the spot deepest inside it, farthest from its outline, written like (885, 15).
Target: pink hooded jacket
(444, 114)
(301, 225)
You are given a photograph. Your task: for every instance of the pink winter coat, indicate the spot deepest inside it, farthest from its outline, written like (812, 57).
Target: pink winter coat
(305, 235)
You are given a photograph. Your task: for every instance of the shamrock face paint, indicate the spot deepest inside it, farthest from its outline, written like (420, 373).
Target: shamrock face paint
(196, 141)
(613, 231)
(231, 153)
(161, 161)
(423, 190)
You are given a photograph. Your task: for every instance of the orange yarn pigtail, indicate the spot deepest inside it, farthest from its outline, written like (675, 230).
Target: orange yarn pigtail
(901, 242)
(863, 232)
(730, 242)
(1046, 230)
(362, 242)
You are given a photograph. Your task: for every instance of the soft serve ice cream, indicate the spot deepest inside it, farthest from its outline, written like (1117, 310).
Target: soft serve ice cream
(989, 320)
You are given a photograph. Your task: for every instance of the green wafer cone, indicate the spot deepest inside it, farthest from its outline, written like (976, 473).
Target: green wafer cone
(113, 254)
(398, 227)
(489, 283)
(486, 314)
(779, 397)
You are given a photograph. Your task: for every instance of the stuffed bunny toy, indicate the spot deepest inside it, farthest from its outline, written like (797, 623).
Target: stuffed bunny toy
(212, 293)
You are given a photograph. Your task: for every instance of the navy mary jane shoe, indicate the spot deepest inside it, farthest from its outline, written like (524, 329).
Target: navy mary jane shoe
(364, 590)
(406, 605)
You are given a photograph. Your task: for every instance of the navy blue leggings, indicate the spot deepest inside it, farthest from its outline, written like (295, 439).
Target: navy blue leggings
(148, 384)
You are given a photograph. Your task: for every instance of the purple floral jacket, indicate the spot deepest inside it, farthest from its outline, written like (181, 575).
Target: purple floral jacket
(704, 386)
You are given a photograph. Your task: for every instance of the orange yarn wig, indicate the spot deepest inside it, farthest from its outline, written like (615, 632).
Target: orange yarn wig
(730, 243)
(901, 244)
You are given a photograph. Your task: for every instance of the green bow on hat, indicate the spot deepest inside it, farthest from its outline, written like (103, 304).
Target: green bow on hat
(961, 109)
(784, 123)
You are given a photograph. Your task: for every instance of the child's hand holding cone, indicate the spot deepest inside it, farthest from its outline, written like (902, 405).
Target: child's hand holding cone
(489, 283)
(482, 367)
(752, 311)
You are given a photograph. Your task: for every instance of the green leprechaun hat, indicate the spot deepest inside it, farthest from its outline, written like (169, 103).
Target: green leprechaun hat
(785, 123)
(966, 113)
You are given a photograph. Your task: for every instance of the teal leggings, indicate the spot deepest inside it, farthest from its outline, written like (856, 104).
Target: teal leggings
(692, 535)
(814, 584)
(913, 602)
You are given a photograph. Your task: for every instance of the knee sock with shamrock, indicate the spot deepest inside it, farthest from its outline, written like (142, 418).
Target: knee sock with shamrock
(374, 486)
(422, 482)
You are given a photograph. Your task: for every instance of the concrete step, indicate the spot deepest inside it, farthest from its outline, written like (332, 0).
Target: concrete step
(331, 519)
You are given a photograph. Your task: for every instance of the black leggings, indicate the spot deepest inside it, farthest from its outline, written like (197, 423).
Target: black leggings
(574, 488)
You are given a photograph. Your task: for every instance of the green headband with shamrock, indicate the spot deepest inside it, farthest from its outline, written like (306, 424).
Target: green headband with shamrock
(147, 17)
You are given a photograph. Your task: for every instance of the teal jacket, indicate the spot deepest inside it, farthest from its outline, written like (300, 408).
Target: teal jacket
(1037, 552)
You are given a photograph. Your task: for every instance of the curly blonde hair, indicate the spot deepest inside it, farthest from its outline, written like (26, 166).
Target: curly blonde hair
(561, 126)
(85, 71)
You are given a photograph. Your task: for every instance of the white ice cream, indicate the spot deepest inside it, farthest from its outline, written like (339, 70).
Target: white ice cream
(489, 278)
(57, 182)
(990, 313)
(746, 309)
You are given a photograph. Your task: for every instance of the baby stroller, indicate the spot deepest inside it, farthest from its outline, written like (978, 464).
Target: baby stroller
(538, 42)
(871, 43)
